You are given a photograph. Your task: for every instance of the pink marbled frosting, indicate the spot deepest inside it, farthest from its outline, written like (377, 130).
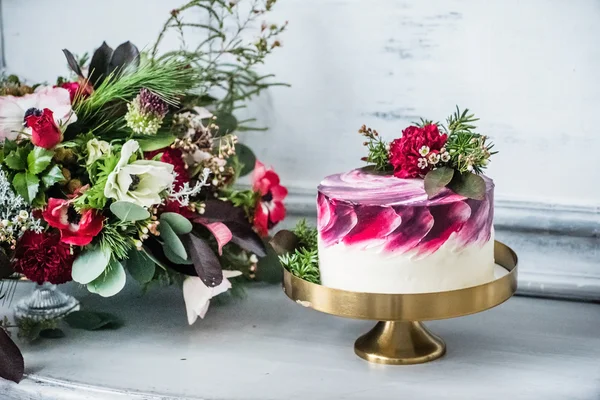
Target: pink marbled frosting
(371, 210)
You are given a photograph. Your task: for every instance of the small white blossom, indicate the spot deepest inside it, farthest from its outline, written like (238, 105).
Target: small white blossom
(422, 163)
(446, 157)
(424, 151)
(96, 149)
(469, 168)
(253, 259)
(434, 158)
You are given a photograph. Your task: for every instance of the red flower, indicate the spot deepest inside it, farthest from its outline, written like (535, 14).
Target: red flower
(42, 257)
(417, 151)
(175, 158)
(44, 131)
(269, 209)
(75, 228)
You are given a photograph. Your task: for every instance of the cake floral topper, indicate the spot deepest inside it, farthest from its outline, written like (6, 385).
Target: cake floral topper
(451, 155)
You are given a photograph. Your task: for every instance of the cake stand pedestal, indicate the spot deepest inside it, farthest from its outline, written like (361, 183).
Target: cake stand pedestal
(399, 337)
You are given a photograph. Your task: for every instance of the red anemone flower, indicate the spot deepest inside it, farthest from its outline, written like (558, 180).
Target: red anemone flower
(75, 228)
(269, 209)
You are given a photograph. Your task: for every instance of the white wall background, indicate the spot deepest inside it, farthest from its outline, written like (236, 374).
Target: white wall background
(529, 69)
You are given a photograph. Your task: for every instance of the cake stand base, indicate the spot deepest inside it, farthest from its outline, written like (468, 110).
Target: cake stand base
(399, 343)
(46, 302)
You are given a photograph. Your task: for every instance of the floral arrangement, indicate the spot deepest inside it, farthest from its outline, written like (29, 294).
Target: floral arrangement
(130, 165)
(451, 155)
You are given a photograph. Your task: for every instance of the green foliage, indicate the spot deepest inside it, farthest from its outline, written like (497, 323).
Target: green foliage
(437, 179)
(111, 282)
(90, 264)
(469, 150)
(103, 111)
(245, 159)
(94, 196)
(32, 169)
(117, 237)
(303, 262)
(127, 211)
(307, 235)
(140, 266)
(224, 56)
(378, 150)
(31, 330)
(244, 199)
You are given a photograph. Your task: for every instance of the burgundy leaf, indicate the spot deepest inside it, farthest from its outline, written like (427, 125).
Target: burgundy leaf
(125, 55)
(205, 261)
(284, 242)
(99, 64)
(244, 236)
(223, 211)
(12, 365)
(5, 268)
(73, 63)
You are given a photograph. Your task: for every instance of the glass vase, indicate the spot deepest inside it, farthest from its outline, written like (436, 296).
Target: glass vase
(45, 302)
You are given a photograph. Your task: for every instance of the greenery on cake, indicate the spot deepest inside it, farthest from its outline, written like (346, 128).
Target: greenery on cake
(298, 251)
(451, 155)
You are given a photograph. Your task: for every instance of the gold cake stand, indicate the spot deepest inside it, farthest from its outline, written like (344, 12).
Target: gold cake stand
(399, 337)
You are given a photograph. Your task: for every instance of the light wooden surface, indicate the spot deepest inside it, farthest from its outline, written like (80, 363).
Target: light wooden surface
(266, 347)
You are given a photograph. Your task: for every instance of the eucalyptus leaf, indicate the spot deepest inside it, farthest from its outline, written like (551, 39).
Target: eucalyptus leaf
(92, 321)
(246, 157)
(27, 185)
(90, 264)
(14, 161)
(127, 211)
(174, 258)
(125, 56)
(12, 365)
(140, 266)
(172, 241)
(180, 224)
(155, 142)
(38, 159)
(468, 185)
(52, 176)
(111, 282)
(155, 250)
(73, 64)
(436, 180)
(99, 64)
(205, 261)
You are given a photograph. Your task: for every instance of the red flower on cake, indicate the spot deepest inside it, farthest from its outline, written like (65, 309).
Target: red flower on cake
(42, 257)
(175, 158)
(44, 131)
(75, 228)
(417, 151)
(269, 209)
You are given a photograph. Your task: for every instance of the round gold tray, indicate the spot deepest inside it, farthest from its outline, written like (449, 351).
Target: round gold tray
(400, 337)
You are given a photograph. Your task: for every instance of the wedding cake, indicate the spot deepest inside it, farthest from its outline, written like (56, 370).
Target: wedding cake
(419, 220)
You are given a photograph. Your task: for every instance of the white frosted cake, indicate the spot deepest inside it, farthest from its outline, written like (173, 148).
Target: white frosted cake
(382, 234)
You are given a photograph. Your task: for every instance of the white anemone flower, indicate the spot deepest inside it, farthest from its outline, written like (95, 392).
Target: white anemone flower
(197, 295)
(13, 108)
(140, 182)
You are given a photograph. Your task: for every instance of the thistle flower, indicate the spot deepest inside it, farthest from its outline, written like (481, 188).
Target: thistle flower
(146, 112)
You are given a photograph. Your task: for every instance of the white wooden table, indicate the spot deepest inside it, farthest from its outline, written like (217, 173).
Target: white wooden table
(266, 347)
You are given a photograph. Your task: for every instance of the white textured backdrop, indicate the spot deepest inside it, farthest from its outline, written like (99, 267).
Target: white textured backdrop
(529, 69)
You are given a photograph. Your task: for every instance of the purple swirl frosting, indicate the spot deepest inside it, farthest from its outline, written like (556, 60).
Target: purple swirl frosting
(370, 210)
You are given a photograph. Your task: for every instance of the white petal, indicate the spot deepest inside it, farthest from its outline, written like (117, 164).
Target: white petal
(231, 274)
(197, 297)
(203, 113)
